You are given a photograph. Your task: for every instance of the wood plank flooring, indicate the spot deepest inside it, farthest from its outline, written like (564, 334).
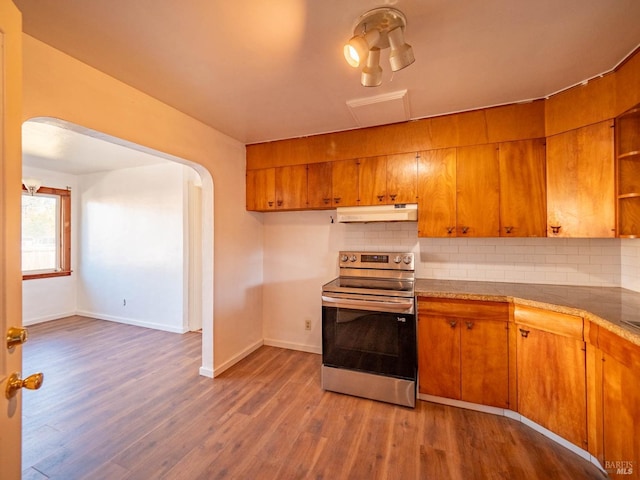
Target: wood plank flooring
(123, 402)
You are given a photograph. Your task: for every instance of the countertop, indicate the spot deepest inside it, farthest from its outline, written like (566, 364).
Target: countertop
(604, 306)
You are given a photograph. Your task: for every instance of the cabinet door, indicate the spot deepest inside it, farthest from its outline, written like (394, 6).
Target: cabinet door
(437, 193)
(551, 372)
(478, 191)
(261, 189)
(485, 362)
(523, 201)
(319, 185)
(291, 187)
(402, 178)
(372, 175)
(580, 182)
(439, 356)
(344, 182)
(621, 408)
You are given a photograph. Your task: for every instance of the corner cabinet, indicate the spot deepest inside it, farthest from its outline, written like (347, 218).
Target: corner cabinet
(463, 350)
(551, 372)
(581, 182)
(628, 173)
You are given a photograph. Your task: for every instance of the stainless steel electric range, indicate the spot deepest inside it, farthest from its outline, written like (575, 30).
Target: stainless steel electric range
(369, 327)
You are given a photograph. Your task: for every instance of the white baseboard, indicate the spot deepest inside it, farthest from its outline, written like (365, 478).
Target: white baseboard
(47, 318)
(206, 372)
(233, 360)
(132, 321)
(293, 346)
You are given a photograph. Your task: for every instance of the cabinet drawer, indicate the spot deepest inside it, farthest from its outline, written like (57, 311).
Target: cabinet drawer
(476, 309)
(553, 322)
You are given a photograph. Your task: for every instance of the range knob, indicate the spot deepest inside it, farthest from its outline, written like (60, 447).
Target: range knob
(344, 258)
(397, 259)
(407, 259)
(353, 258)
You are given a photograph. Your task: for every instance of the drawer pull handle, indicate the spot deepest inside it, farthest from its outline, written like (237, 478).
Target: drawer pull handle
(524, 333)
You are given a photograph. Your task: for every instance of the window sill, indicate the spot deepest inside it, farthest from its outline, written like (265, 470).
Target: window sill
(32, 276)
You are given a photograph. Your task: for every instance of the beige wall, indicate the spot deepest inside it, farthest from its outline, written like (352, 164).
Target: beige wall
(59, 86)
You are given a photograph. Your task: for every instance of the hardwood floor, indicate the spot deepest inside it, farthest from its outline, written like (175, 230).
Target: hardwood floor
(123, 402)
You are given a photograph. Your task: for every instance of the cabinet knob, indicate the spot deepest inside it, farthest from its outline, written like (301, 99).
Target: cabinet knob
(280, 203)
(336, 199)
(555, 229)
(380, 198)
(270, 204)
(450, 230)
(524, 333)
(453, 323)
(326, 201)
(508, 229)
(465, 230)
(393, 197)
(469, 325)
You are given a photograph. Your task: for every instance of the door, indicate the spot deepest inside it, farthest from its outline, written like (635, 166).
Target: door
(10, 201)
(581, 182)
(478, 191)
(437, 193)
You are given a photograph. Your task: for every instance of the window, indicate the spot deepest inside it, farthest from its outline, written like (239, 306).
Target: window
(46, 233)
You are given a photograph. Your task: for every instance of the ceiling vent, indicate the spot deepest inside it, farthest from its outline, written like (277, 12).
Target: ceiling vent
(392, 107)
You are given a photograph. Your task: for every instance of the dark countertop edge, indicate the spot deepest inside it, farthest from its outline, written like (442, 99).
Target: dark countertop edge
(462, 291)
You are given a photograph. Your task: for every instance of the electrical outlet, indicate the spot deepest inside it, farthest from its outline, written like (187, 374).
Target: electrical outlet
(307, 324)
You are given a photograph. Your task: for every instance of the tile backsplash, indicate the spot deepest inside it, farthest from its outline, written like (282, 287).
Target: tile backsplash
(566, 261)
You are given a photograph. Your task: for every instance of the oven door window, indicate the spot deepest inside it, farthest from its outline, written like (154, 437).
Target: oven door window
(375, 342)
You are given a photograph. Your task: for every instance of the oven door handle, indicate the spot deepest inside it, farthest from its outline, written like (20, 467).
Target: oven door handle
(371, 305)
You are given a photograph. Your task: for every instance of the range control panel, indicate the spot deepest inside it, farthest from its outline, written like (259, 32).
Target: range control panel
(377, 260)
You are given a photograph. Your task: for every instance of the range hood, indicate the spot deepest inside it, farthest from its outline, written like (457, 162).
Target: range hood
(402, 212)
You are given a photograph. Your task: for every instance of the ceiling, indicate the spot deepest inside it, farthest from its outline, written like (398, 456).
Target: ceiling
(262, 70)
(61, 147)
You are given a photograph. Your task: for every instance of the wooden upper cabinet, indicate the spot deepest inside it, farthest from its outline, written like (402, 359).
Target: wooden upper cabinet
(437, 193)
(261, 189)
(628, 173)
(523, 207)
(402, 178)
(344, 183)
(372, 181)
(580, 182)
(291, 187)
(319, 189)
(478, 191)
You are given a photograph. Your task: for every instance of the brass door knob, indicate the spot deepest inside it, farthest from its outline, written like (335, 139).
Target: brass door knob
(15, 383)
(16, 336)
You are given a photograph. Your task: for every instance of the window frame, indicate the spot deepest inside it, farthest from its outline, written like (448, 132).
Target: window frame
(64, 234)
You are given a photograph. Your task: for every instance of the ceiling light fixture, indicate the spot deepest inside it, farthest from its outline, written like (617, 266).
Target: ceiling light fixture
(32, 185)
(375, 30)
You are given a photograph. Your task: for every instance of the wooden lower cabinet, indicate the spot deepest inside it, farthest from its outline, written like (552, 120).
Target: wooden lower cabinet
(620, 405)
(463, 350)
(551, 372)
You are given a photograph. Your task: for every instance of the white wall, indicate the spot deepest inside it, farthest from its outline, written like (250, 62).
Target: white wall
(50, 298)
(58, 86)
(131, 258)
(301, 255)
